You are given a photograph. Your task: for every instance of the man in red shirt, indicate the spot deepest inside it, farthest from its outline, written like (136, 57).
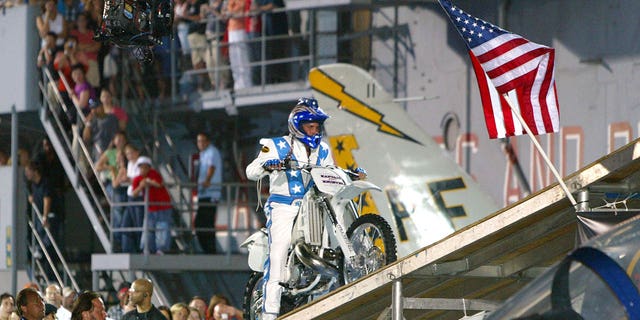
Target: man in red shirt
(159, 209)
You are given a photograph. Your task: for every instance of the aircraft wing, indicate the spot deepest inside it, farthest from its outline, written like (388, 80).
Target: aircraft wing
(426, 195)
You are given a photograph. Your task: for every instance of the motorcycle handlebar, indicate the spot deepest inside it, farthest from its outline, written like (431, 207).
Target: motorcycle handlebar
(290, 164)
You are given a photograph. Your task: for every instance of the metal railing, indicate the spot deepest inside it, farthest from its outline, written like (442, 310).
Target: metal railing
(184, 205)
(66, 147)
(186, 212)
(37, 214)
(298, 54)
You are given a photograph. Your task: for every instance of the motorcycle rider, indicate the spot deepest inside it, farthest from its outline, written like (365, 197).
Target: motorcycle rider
(303, 144)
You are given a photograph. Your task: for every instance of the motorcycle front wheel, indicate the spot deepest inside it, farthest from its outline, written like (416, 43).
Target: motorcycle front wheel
(374, 244)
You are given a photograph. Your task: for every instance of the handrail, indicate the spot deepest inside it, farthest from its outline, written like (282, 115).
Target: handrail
(182, 208)
(84, 149)
(44, 251)
(95, 172)
(68, 87)
(75, 174)
(156, 145)
(58, 123)
(38, 214)
(262, 38)
(54, 86)
(38, 265)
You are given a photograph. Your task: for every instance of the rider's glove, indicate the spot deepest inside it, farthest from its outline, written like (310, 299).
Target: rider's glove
(272, 164)
(360, 170)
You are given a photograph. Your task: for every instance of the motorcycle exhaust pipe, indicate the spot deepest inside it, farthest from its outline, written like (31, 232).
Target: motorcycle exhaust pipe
(310, 259)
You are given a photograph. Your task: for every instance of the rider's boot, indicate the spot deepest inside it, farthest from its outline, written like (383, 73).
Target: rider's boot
(269, 316)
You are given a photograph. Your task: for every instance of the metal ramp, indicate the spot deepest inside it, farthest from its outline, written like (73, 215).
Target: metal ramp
(485, 263)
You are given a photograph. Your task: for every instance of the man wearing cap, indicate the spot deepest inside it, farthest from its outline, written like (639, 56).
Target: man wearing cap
(158, 207)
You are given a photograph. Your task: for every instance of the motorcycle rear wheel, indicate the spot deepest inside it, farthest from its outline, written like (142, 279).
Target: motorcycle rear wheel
(374, 244)
(253, 297)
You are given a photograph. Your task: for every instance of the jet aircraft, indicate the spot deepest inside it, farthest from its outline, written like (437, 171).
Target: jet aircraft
(426, 195)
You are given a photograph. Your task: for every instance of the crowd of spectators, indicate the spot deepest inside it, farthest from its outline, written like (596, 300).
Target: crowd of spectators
(130, 181)
(126, 176)
(132, 301)
(222, 37)
(219, 36)
(212, 34)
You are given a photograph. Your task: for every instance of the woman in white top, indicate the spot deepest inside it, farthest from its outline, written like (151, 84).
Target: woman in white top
(51, 21)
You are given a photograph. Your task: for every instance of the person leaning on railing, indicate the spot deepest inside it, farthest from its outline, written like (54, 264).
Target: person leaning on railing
(113, 171)
(133, 214)
(40, 195)
(159, 217)
(48, 51)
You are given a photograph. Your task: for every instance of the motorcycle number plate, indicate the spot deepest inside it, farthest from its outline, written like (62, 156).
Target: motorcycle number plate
(328, 180)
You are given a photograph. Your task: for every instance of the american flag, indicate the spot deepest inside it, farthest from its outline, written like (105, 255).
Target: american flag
(507, 64)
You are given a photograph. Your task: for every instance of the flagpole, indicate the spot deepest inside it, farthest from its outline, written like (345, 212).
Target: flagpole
(542, 153)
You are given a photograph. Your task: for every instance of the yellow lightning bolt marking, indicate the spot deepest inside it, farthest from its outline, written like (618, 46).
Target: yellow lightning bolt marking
(343, 157)
(323, 83)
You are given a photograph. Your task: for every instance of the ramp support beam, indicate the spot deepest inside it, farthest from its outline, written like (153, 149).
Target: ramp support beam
(450, 304)
(396, 300)
(398, 303)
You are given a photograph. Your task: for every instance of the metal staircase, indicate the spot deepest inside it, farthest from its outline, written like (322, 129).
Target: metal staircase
(145, 129)
(89, 190)
(63, 145)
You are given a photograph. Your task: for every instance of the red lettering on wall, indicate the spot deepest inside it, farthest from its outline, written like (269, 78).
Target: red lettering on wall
(465, 141)
(575, 135)
(619, 131)
(512, 189)
(439, 140)
(541, 175)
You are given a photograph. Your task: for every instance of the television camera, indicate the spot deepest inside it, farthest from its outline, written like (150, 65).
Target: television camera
(138, 24)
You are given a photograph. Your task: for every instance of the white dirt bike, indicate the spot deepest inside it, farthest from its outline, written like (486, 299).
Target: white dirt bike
(324, 254)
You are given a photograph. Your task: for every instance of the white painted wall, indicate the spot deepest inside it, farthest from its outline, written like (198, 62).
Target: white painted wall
(597, 72)
(7, 227)
(18, 71)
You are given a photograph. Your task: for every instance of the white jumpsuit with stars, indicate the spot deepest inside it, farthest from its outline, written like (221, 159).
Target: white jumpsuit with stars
(285, 186)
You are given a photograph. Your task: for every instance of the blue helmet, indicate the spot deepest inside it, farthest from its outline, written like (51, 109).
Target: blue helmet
(306, 110)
